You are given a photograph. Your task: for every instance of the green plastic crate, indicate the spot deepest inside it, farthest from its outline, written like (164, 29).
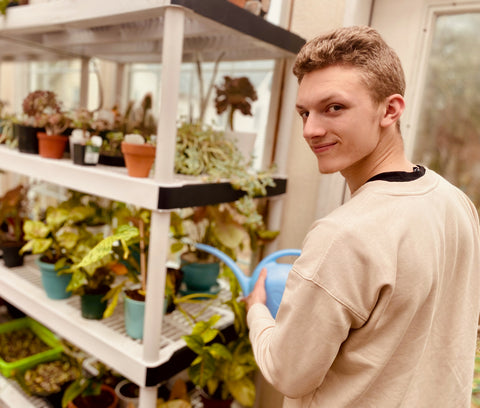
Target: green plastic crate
(56, 349)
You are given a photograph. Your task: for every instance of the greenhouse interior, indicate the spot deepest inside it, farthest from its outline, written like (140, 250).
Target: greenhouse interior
(173, 125)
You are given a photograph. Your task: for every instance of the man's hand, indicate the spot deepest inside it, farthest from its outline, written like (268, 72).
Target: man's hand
(258, 294)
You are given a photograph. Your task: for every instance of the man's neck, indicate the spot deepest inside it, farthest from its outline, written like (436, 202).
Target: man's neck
(388, 156)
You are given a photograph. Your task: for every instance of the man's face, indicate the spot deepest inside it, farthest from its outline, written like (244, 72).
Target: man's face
(341, 122)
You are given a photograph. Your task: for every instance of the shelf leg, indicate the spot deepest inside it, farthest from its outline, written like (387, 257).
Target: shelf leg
(170, 86)
(84, 81)
(147, 397)
(158, 247)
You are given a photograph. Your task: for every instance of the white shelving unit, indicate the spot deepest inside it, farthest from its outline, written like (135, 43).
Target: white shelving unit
(167, 31)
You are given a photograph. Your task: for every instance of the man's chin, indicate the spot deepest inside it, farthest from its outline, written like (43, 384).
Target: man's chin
(327, 170)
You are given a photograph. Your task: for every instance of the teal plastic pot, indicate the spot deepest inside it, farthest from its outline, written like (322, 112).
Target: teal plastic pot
(55, 285)
(198, 276)
(93, 306)
(134, 317)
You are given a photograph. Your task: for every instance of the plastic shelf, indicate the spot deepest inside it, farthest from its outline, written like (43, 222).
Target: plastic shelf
(106, 339)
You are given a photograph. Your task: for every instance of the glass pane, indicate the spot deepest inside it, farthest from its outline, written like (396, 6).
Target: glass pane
(63, 78)
(146, 78)
(448, 138)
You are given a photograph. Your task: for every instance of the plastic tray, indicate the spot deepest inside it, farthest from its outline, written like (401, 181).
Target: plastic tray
(56, 349)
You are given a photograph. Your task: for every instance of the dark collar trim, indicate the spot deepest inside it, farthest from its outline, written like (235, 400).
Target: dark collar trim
(418, 171)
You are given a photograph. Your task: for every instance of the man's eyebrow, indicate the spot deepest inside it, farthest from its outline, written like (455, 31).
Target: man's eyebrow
(324, 100)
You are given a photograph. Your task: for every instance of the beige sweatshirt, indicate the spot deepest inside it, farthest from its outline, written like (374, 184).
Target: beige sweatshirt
(381, 309)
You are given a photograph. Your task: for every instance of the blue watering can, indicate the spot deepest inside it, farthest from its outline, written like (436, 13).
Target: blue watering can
(276, 277)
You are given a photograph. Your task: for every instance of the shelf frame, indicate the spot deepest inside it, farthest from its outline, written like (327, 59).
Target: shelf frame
(167, 31)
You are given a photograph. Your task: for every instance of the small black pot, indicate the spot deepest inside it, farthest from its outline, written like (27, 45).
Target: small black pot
(11, 257)
(85, 155)
(116, 161)
(27, 138)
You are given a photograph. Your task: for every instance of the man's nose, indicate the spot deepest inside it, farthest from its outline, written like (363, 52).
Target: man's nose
(313, 126)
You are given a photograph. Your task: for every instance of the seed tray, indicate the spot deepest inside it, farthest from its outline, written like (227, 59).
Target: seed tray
(8, 369)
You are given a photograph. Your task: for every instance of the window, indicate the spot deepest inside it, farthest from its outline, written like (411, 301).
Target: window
(448, 136)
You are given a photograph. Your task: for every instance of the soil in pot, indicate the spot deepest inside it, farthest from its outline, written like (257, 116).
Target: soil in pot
(127, 393)
(106, 399)
(209, 402)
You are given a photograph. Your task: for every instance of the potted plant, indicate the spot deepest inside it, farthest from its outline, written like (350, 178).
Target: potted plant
(223, 368)
(91, 390)
(237, 94)
(57, 239)
(52, 142)
(13, 212)
(84, 146)
(211, 225)
(139, 155)
(95, 280)
(134, 120)
(128, 245)
(33, 118)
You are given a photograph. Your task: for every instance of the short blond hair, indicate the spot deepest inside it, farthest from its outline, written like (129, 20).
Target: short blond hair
(360, 47)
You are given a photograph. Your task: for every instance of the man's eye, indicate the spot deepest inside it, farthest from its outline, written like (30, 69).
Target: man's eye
(334, 108)
(304, 114)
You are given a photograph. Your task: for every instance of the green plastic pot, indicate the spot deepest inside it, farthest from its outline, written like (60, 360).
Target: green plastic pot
(93, 306)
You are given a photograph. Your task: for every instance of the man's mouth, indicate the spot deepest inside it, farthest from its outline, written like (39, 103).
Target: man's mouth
(322, 147)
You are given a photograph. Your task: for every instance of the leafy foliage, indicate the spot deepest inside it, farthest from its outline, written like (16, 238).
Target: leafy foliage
(60, 237)
(13, 212)
(224, 369)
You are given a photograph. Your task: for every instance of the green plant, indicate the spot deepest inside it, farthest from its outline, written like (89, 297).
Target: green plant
(123, 252)
(213, 225)
(88, 384)
(201, 150)
(222, 368)
(235, 94)
(13, 212)
(60, 237)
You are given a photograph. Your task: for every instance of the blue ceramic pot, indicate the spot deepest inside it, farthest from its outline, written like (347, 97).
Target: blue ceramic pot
(134, 317)
(55, 285)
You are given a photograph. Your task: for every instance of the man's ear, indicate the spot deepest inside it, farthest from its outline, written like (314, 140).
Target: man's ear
(394, 107)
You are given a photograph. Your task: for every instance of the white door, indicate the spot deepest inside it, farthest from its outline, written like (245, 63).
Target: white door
(439, 45)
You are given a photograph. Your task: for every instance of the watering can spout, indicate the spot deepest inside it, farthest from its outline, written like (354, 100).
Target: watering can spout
(277, 273)
(243, 280)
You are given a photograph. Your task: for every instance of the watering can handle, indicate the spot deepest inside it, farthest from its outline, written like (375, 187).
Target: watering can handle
(273, 257)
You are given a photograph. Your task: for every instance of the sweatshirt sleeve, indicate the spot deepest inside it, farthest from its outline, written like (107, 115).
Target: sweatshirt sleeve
(295, 351)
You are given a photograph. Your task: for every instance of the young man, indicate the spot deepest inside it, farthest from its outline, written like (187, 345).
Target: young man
(381, 309)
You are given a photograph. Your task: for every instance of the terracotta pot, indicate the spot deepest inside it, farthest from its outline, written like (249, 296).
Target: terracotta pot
(51, 146)
(239, 3)
(106, 399)
(139, 158)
